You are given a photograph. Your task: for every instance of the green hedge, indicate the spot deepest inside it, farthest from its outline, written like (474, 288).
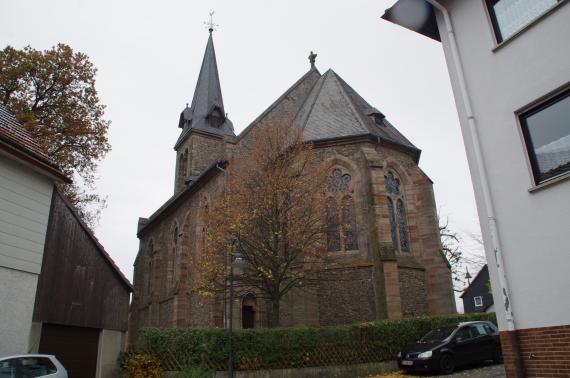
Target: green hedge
(291, 347)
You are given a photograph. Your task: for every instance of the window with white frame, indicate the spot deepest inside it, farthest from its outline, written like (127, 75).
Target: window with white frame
(478, 301)
(510, 16)
(546, 130)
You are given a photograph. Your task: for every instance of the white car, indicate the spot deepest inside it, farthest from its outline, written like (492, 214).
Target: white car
(31, 366)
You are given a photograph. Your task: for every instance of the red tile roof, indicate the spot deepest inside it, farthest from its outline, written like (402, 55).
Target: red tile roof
(18, 139)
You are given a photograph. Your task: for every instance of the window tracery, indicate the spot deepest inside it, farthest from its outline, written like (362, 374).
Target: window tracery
(340, 212)
(349, 224)
(402, 226)
(333, 236)
(397, 215)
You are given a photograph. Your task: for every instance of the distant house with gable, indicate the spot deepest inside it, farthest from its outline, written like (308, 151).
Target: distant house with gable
(478, 296)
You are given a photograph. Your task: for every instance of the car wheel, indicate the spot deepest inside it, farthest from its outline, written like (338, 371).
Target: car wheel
(446, 364)
(498, 356)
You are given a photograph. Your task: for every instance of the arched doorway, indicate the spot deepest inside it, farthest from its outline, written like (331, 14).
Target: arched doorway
(248, 310)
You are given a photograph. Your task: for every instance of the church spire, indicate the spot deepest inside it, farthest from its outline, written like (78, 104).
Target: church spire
(207, 113)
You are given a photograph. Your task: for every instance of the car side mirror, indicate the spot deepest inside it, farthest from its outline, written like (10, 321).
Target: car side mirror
(459, 340)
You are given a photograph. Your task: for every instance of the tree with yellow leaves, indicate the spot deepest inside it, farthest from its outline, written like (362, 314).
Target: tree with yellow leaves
(270, 219)
(53, 95)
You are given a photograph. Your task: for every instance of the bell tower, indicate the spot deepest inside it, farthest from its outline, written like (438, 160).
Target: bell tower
(204, 123)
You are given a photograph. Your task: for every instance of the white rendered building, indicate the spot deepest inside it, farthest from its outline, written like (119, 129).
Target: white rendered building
(509, 64)
(27, 178)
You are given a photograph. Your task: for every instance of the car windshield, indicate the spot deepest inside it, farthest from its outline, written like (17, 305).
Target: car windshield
(438, 334)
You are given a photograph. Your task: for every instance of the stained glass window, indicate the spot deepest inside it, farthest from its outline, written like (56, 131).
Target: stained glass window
(150, 266)
(397, 216)
(341, 227)
(174, 258)
(392, 184)
(402, 226)
(338, 181)
(392, 218)
(149, 282)
(349, 224)
(333, 237)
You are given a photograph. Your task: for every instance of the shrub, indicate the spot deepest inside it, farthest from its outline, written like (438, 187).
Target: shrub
(141, 365)
(196, 372)
(271, 348)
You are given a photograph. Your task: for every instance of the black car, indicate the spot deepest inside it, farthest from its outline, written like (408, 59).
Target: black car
(446, 347)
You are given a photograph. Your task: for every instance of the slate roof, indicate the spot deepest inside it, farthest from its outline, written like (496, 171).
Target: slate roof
(207, 96)
(334, 110)
(18, 138)
(216, 167)
(484, 271)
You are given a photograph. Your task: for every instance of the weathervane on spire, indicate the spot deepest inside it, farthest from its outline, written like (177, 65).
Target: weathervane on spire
(210, 24)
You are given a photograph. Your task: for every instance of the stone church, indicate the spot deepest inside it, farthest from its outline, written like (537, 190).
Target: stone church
(381, 215)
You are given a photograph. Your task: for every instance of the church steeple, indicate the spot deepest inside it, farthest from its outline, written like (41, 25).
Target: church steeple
(205, 126)
(206, 113)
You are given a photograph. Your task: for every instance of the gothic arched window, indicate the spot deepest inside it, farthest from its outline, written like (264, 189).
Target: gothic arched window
(216, 117)
(182, 168)
(150, 268)
(333, 236)
(402, 225)
(397, 215)
(174, 257)
(340, 213)
(349, 223)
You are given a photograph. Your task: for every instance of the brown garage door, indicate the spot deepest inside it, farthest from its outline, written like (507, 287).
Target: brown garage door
(75, 347)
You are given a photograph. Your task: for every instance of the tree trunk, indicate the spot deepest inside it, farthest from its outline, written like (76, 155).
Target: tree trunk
(274, 313)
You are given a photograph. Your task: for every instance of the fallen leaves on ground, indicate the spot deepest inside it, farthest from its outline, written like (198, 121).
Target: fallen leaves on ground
(393, 374)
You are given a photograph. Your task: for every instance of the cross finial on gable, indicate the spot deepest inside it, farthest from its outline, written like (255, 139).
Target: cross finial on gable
(210, 24)
(312, 58)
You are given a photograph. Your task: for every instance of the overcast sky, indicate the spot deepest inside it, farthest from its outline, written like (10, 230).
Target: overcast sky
(148, 55)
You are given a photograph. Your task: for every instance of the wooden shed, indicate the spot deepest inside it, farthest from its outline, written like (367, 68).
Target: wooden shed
(82, 300)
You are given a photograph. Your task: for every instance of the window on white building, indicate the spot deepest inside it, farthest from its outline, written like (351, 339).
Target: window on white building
(510, 16)
(546, 129)
(478, 301)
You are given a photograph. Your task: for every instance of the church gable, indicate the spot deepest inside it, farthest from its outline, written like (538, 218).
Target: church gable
(283, 109)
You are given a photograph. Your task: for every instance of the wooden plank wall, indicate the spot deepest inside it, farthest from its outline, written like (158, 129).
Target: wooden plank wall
(77, 285)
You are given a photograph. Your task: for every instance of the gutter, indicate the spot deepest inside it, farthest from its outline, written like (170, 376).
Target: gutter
(486, 192)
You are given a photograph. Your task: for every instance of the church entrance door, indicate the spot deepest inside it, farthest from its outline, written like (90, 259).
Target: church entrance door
(248, 317)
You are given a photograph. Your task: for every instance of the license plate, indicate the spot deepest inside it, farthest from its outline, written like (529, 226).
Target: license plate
(407, 363)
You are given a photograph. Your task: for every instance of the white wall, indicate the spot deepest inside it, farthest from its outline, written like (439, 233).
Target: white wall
(17, 295)
(25, 198)
(110, 346)
(534, 227)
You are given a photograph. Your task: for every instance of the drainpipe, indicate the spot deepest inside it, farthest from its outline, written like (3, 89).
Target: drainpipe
(486, 192)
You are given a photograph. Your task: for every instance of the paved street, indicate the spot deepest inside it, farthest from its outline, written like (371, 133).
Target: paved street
(479, 371)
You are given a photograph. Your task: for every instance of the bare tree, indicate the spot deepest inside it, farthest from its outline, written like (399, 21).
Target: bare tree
(270, 218)
(460, 257)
